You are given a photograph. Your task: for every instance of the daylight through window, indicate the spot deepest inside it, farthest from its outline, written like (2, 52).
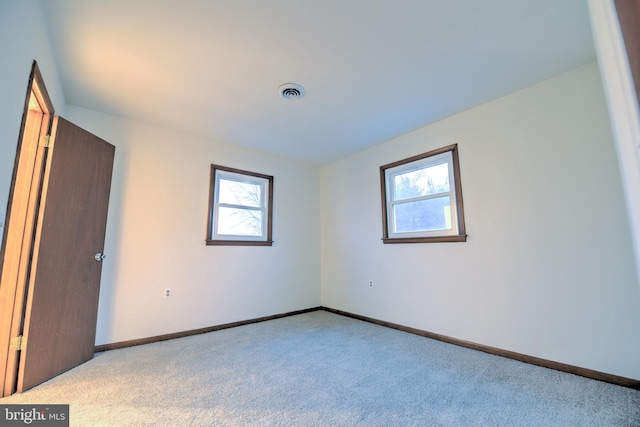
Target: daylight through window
(422, 198)
(240, 207)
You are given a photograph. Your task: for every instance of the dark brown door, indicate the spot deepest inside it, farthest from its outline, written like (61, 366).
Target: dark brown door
(62, 302)
(629, 17)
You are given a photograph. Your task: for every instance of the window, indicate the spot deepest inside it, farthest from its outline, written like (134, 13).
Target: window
(240, 207)
(422, 198)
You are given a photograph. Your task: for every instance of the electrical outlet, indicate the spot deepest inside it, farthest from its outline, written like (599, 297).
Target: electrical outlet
(167, 293)
(371, 283)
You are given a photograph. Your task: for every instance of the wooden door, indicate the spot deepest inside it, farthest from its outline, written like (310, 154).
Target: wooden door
(629, 17)
(62, 300)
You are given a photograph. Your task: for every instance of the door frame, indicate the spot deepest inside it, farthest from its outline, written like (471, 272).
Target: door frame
(22, 211)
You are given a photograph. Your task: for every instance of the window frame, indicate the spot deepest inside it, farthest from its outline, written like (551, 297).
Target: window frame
(266, 182)
(421, 161)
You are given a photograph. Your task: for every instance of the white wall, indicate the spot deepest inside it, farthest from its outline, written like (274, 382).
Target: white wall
(157, 226)
(547, 271)
(23, 38)
(158, 211)
(623, 106)
(548, 267)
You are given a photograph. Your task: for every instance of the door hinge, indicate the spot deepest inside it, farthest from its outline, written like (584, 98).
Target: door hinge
(16, 343)
(45, 141)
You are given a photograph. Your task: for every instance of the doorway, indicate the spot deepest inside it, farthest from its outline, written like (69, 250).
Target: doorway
(17, 241)
(51, 256)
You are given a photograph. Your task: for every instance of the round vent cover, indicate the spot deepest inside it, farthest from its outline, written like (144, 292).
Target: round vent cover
(291, 91)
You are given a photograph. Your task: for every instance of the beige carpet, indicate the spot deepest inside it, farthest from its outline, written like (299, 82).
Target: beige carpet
(322, 369)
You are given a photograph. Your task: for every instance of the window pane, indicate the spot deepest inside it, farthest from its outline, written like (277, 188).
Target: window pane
(430, 180)
(239, 222)
(423, 215)
(240, 193)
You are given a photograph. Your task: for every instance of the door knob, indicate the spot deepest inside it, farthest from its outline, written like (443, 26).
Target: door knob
(99, 257)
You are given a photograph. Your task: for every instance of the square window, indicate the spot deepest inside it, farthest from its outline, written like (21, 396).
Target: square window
(240, 207)
(422, 198)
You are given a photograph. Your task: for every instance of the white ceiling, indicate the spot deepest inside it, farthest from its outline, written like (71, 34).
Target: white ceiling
(372, 69)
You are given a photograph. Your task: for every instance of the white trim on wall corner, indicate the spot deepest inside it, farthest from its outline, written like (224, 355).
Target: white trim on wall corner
(623, 106)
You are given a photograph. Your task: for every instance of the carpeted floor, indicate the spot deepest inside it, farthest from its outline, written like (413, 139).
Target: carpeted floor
(322, 369)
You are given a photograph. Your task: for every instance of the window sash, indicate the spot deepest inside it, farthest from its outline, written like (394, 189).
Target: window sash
(392, 201)
(253, 211)
(416, 166)
(261, 183)
(453, 229)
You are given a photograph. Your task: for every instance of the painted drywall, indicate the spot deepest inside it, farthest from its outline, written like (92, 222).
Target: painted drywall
(547, 270)
(23, 38)
(156, 230)
(158, 209)
(548, 267)
(623, 106)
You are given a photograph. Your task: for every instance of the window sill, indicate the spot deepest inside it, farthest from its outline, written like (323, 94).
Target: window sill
(435, 239)
(239, 242)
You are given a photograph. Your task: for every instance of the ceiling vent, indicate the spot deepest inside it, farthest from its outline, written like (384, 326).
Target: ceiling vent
(291, 91)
